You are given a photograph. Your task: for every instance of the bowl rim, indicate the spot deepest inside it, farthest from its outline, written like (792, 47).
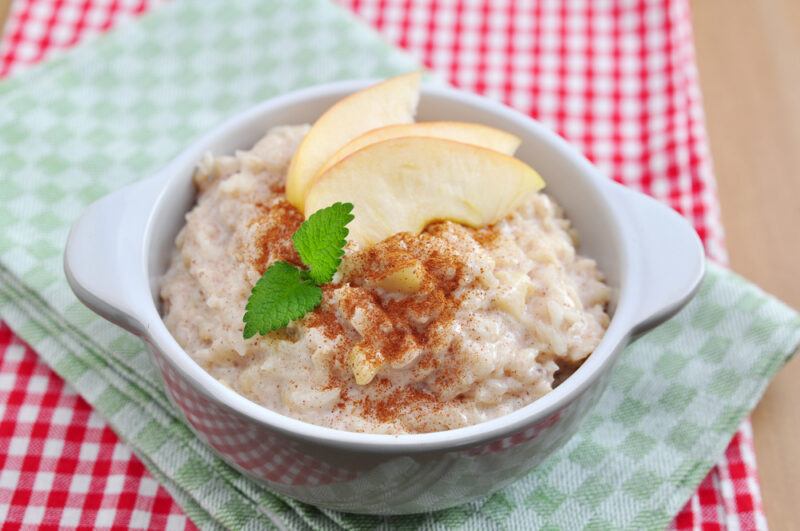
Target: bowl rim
(597, 363)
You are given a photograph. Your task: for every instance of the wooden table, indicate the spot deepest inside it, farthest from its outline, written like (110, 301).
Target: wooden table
(749, 59)
(748, 53)
(5, 7)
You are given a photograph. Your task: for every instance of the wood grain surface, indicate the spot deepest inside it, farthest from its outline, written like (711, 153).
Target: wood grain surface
(748, 53)
(5, 7)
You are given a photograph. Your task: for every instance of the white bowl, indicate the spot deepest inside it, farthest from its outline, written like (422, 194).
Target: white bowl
(651, 257)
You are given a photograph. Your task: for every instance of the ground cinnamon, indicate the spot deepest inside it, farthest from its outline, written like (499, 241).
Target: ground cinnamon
(396, 328)
(275, 226)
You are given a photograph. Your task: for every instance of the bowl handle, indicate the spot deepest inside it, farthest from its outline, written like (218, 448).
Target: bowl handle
(103, 258)
(670, 254)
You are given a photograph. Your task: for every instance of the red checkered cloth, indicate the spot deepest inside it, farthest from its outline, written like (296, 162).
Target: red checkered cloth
(617, 79)
(61, 466)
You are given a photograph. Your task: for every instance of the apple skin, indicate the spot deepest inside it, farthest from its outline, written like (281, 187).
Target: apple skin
(393, 101)
(468, 133)
(403, 184)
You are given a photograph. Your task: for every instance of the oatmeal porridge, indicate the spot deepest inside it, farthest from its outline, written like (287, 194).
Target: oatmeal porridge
(417, 333)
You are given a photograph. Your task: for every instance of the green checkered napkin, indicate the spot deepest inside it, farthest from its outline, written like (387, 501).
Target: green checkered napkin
(114, 111)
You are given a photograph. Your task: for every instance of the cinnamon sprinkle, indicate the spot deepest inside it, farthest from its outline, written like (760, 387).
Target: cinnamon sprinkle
(487, 237)
(398, 402)
(399, 324)
(391, 329)
(324, 316)
(397, 329)
(279, 221)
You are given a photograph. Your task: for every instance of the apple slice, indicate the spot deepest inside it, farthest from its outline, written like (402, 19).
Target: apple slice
(402, 184)
(468, 133)
(391, 102)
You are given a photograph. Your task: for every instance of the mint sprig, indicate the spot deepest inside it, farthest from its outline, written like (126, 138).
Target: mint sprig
(285, 292)
(320, 240)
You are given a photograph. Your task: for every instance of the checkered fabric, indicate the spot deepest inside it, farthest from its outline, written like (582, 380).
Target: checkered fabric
(38, 28)
(61, 466)
(577, 66)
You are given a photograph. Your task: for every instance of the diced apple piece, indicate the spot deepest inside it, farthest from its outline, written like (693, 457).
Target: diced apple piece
(468, 133)
(393, 101)
(403, 184)
(362, 365)
(512, 298)
(406, 279)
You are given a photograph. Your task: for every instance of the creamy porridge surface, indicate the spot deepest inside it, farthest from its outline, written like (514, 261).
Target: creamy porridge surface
(500, 315)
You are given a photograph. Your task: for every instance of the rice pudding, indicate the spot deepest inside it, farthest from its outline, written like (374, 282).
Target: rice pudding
(416, 333)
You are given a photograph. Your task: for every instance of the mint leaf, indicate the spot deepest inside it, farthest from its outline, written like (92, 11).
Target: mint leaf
(320, 240)
(282, 294)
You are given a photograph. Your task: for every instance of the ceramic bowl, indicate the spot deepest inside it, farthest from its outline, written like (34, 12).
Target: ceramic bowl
(651, 256)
